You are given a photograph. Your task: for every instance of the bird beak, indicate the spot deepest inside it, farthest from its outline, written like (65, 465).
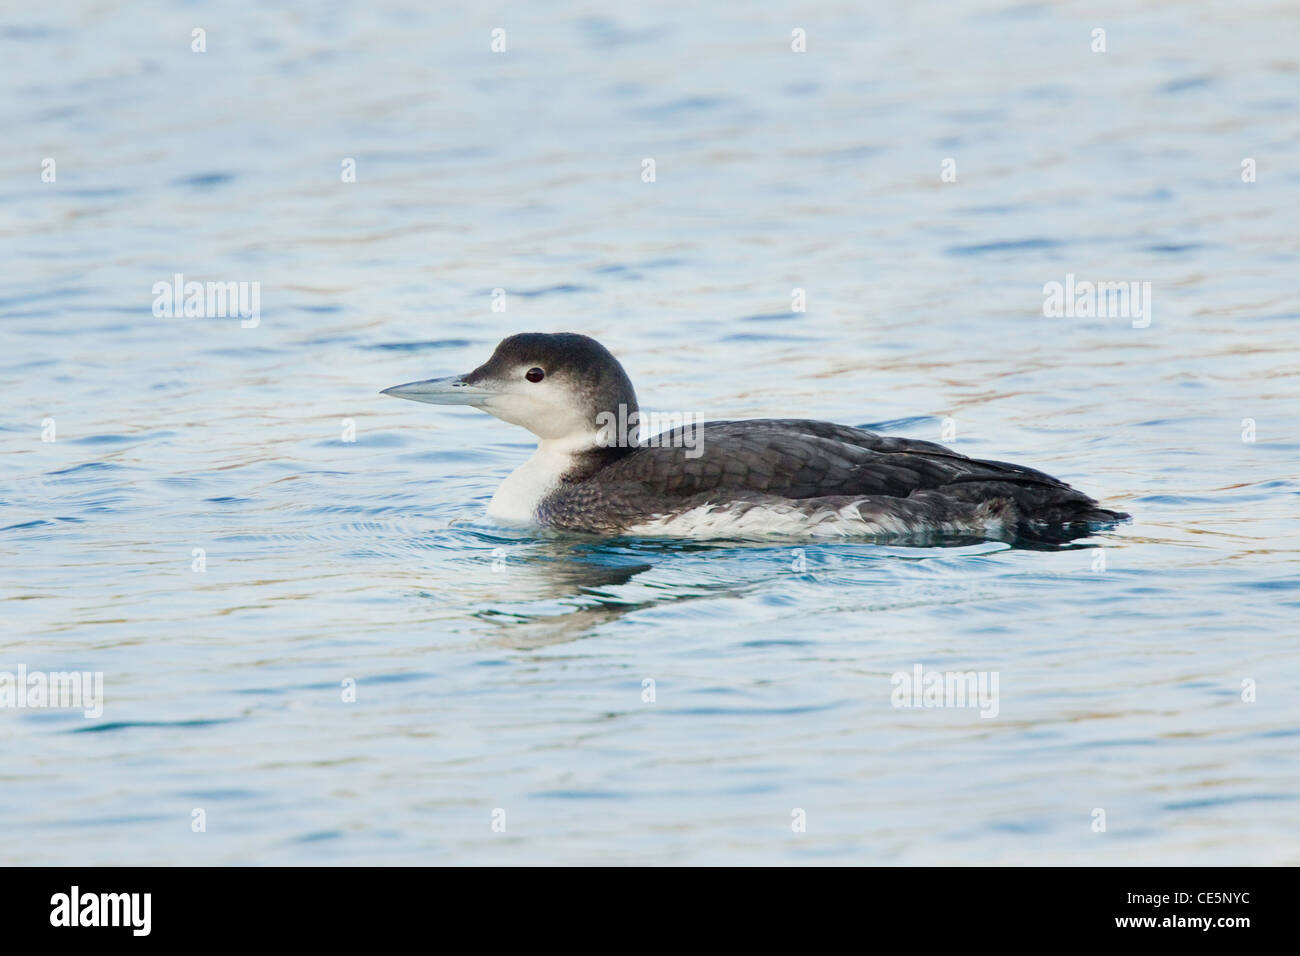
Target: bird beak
(452, 390)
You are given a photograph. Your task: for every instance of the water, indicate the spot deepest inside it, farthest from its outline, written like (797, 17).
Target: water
(501, 670)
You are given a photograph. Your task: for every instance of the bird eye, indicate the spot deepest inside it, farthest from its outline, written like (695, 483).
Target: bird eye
(534, 375)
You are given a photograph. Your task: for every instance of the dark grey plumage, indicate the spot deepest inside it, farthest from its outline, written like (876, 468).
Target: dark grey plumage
(816, 466)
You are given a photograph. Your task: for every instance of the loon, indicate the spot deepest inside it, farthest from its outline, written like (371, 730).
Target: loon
(734, 479)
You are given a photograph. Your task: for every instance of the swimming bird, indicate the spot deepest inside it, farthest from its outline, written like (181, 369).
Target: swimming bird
(733, 479)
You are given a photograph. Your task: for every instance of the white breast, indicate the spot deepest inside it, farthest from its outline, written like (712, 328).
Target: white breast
(519, 496)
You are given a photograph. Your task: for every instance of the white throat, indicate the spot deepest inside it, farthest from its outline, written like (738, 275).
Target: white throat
(519, 496)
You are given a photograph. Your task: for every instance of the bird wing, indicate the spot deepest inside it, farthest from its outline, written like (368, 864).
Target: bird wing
(792, 458)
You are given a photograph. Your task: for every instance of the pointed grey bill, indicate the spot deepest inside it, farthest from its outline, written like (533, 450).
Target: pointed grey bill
(452, 390)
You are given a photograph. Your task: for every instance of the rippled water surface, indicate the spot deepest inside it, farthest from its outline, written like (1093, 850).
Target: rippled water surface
(499, 670)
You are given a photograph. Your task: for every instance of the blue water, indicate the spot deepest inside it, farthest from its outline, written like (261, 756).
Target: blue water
(498, 670)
